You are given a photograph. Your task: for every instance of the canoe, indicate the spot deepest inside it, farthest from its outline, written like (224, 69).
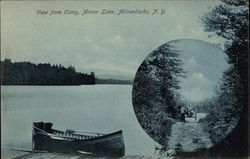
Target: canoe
(44, 138)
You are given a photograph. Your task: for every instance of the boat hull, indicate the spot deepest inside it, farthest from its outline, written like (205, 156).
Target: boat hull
(106, 145)
(110, 145)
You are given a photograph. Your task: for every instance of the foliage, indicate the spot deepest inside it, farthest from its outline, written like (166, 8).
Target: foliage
(166, 69)
(27, 73)
(155, 98)
(230, 21)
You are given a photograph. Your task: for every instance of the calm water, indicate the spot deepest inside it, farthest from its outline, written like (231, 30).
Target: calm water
(99, 108)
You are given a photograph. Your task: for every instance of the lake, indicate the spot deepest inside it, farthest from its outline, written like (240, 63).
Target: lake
(92, 108)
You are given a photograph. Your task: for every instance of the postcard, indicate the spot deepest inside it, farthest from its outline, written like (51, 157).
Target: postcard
(124, 79)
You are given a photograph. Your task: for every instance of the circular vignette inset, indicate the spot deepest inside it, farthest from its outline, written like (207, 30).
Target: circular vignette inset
(182, 95)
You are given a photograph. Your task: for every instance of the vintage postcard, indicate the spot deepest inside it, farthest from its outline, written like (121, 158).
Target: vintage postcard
(124, 79)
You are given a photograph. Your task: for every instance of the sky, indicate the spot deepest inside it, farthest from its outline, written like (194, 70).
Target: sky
(204, 65)
(100, 43)
(106, 44)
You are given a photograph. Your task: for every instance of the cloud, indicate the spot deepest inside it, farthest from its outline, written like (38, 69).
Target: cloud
(117, 42)
(192, 61)
(199, 77)
(197, 87)
(117, 39)
(195, 95)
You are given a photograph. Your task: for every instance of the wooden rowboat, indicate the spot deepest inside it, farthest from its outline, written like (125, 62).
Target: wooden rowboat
(44, 138)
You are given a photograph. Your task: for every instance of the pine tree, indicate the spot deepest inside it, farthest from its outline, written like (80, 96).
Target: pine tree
(230, 21)
(154, 92)
(167, 69)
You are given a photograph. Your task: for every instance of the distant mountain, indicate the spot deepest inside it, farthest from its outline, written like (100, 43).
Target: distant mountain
(27, 73)
(114, 76)
(108, 74)
(113, 81)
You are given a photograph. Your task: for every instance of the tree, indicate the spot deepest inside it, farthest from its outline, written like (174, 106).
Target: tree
(167, 69)
(154, 92)
(230, 21)
(26, 73)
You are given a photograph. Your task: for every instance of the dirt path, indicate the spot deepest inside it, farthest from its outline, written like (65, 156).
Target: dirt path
(188, 136)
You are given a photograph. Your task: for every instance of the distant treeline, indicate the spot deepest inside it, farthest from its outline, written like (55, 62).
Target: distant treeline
(113, 81)
(27, 73)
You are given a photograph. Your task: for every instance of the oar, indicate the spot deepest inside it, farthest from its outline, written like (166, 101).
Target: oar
(30, 151)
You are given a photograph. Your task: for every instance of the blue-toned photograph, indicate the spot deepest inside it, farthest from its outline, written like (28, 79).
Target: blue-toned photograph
(124, 79)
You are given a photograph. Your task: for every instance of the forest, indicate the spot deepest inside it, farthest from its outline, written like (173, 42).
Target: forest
(156, 102)
(27, 73)
(155, 98)
(228, 109)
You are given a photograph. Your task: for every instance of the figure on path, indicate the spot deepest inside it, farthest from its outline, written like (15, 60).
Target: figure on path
(183, 113)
